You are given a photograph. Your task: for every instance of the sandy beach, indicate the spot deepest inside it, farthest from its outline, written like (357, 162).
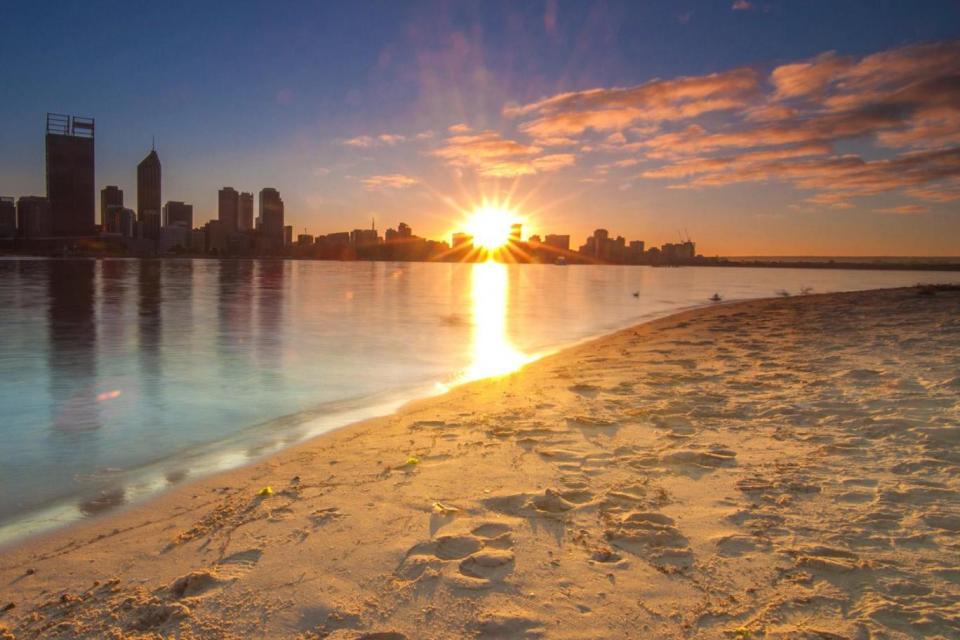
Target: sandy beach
(784, 468)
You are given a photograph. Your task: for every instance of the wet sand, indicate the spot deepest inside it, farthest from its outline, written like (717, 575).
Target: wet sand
(775, 468)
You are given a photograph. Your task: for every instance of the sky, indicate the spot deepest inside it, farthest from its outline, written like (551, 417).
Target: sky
(756, 127)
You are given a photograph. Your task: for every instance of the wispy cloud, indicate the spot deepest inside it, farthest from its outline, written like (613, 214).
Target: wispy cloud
(615, 109)
(383, 140)
(906, 209)
(389, 181)
(905, 101)
(492, 155)
(742, 5)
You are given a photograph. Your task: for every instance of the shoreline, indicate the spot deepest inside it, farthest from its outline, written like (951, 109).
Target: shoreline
(493, 492)
(154, 473)
(150, 481)
(907, 263)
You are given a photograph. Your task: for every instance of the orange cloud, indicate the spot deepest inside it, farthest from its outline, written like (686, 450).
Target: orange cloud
(389, 181)
(906, 100)
(382, 140)
(615, 109)
(492, 155)
(907, 209)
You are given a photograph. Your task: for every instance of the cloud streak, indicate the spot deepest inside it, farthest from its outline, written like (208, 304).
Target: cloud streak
(905, 101)
(492, 155)
(389, 181)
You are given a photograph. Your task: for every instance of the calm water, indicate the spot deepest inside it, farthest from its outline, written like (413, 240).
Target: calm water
(121, 377)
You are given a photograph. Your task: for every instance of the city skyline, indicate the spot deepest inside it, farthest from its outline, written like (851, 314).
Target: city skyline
(838, 142)
(62, 221)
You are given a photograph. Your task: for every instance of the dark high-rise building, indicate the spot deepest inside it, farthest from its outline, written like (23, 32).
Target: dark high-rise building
(245, 212)
(178, 214)
(110, 196)
(70, 175)
(148, 195)
(228, 208)
(34, 217)
(8, 218)
(288, 235)
(120, 220)
(557, 241)
(271, 217)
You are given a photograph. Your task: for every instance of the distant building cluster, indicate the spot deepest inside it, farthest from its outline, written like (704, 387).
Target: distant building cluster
(64, 221)
(599, 248)
(602, 248)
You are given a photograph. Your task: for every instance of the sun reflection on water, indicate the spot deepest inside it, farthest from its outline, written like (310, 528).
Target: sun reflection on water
(493, 354)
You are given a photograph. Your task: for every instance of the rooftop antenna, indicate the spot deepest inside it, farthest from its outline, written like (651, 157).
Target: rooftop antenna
(153, 143)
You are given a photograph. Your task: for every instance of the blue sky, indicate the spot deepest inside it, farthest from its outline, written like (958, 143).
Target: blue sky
(347, 108)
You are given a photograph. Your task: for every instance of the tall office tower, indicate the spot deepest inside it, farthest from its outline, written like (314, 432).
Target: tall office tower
(178, 214)
(110, 196)
(70, 175)
(271, 216)
(34, 218)
(8, 218)
(245, 212)
(228, 208)
(558, 241)
(148, 195)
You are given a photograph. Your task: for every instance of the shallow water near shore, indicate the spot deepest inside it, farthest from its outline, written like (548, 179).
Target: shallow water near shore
(119, 378)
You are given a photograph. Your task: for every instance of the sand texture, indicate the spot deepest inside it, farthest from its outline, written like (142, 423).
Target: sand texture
(782, 468)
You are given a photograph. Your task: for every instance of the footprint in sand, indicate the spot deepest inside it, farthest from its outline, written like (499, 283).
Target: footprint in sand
(510, 624)
(736, 545)
(552, 503)
(478, 559)
(321, 517)
(195, 583)
(650, 535)
(711, 458)
(237, 564)
(825, 559)
(228, 569)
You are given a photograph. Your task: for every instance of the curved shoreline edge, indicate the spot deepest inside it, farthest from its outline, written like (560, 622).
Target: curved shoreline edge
(149, 482)
(785, 465)
(80, 526)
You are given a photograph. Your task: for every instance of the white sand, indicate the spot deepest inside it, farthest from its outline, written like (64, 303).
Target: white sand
(781, 468)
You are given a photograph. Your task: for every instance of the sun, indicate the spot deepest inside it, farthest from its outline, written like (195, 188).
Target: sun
(490, 227)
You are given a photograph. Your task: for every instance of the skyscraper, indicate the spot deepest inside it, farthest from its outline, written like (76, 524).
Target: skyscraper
(228, 208)
(70, 175)
(148, 195)
(110, 196)
(245, 212)
(34, 219)
(8, 218)
(271, 216)
(178, 214)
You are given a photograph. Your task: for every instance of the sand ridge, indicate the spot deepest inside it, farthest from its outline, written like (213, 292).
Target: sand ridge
(777, 468)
